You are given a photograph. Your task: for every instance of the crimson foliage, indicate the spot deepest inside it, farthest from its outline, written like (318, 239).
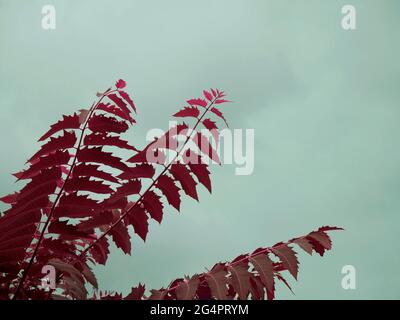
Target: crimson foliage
(79, 196)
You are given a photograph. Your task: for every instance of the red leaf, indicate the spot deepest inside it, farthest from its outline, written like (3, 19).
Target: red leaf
(12, 255)
(110, 203)
(92, 170)
(68, 122)
(153, 205)
(181, 173)
(51, 160)
(140, 171)
(101, 123)
(68, 231)
(219, 114)
(128, 99)
(221, 101)
(21, 241)
(120, 84)
(16, 225)
(240, 279)
(43, 183)
(119, 102)
(11, 198)
(87, 273)
(100, 219)
(138, 219)
(288, 258)
(85, 184)
(75, 206)
(128, 188)
(263, 265)
(99, 156)
(304, 244)
(100, 251)
(329, 228)
(279, 276)
(322, 238)
(170, 190)
(37, 203)
(109, 108)
(200, 170)
(121, 237)
(105, 140)
(66, 141)
(212, 127)
(256, 288)
(198, 102)
(188, 112)
(317, 246)
(186, 290)
(158, 294)
(207, 95)
(149, 155)
(217, 281)
(136, 293)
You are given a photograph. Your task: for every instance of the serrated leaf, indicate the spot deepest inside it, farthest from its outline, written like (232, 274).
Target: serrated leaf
(107, 140)
(85, 184)
(139, 220)
(97, 155)
(67, 122)
(136, 293)
(66, 141)
(54, 159)
(121, 237)
(240, 279)
(117, 111)
(264, 266)
(92, 170)
(153, 205)
(188, 112)
(143, 170)
(197, 102)
(170, 190)
(119, 102)
(207, 95)
(128, 99)
(103, 124)
(181, 173)
(216, 279)
(219, 114)
(186, 290)
(288, 258)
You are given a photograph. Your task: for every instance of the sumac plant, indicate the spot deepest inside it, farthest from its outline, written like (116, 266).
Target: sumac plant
(79, 196)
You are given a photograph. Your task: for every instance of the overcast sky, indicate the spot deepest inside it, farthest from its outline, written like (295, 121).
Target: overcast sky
(323, 103)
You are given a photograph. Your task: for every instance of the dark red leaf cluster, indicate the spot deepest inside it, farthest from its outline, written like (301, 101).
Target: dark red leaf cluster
(81, 195)
(248, 276)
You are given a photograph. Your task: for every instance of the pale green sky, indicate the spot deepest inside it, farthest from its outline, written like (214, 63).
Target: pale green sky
(323, 103)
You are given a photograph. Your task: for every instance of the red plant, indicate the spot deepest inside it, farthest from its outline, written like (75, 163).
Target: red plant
(81, 196)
